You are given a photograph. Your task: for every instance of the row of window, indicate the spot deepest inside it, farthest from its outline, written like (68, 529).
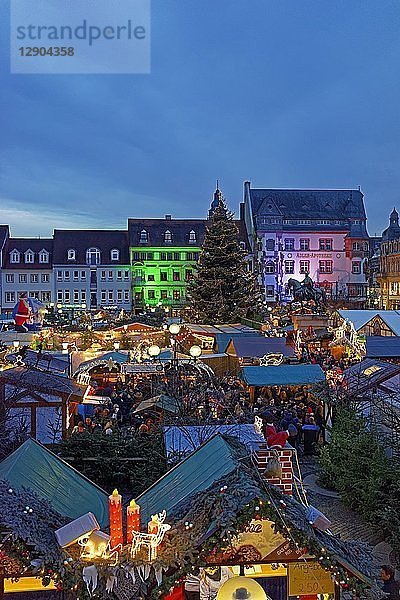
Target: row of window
(11, 297)
(325, 266)
(176, 276)
(93, 255)
(81, 275)
(168, 237)
(23, 278)
(189, 256)
(79, 296)
(29, 256)
(153, 295)
(324, 244)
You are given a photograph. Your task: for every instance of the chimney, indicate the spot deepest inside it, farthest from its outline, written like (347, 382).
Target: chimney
(168, 217)
(262, 456)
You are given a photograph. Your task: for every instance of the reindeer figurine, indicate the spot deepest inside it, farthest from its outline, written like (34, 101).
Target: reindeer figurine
(150, 540)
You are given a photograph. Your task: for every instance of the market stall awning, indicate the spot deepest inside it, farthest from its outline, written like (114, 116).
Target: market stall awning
(70, 494)
(382, 347)
(368, 375)
(117, 358)
(30, 378)
(52, 362)
(282, 375)
(162, 402)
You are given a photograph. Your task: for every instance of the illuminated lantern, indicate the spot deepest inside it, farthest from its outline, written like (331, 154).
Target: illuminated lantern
(132, 520)
(115, 508)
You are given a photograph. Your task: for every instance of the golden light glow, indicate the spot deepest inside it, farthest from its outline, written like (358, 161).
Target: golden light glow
(26, 584)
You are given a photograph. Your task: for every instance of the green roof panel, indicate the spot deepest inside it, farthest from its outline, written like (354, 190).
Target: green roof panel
(197, 473)
(69, 493)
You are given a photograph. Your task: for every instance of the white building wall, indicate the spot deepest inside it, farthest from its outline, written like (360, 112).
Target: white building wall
(14, 282)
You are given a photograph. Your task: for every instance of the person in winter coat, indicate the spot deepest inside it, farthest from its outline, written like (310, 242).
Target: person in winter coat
(390, 587)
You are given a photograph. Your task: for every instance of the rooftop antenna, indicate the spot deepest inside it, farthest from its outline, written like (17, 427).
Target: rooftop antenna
(217, 184)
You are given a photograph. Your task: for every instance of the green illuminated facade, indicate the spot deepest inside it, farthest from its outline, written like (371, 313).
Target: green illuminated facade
(160, 275)
(163, 255)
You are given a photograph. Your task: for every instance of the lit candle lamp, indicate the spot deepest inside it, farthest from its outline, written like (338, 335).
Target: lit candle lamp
(152, 526)
(115, 508)
(132, 520)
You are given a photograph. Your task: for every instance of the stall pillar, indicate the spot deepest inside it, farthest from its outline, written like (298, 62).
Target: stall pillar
(263, 454)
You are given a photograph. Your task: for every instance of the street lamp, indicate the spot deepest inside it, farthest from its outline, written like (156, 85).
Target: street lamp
(83, 306)
(195, 352)
(16, 344)
(68, 351)
(116, 346)
(174, 328)
(153, 351)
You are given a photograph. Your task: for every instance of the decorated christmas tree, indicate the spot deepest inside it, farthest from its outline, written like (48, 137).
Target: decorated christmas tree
(223, 289)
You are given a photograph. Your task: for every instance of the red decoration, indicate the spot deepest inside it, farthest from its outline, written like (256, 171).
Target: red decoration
(115, 509)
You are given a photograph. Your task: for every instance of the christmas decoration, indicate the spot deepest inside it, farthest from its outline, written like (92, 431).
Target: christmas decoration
(223, 289)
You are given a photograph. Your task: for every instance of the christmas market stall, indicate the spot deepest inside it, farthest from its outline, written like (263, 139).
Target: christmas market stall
(37, 403)
(259, 379)
(211, 518)
(256, 350)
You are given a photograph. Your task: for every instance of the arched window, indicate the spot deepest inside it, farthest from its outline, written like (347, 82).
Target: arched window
(114, 254)
(168, 237)
(71, 254)
(93, 256)
(43, 256)
(29, 256)
(144, 238)
(270, 267)
(192, 237)
(15, 256)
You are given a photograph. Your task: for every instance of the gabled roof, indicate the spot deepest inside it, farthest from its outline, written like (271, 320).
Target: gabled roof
(213, 460)
(258, 346)
(283, 375)
(68, 492)
(180, 230)
(155, 228)
(312, 204)
(45, 361)
(359, 318)
(162, 402)
(24, 244)
(181, 441)
(48, 383)
(81, 240)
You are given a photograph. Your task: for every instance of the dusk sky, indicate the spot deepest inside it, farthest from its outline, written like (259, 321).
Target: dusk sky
(284, 93)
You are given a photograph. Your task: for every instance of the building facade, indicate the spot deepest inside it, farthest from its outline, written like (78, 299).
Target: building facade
(92, 269)
(388, 277)
(319, 232)
(27, 267)
(163, 256)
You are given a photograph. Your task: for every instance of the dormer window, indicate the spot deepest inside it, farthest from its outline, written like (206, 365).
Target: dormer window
(93, 256)
(29, 257)
(192, 237)
(15, 256)
(43, 256)
(114, 254)
(144, 238)
(71, 254)
(168, 237)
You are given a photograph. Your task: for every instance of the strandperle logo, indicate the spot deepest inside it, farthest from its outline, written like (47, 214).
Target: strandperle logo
(85, 31)
(96, 36)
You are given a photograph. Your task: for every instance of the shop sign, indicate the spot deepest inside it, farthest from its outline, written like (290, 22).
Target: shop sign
(141, 368)
(309, 578)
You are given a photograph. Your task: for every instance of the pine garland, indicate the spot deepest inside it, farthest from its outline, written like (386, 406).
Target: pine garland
(204, 529)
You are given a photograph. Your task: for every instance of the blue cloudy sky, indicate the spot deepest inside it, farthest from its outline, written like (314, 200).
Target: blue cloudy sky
(285, 93)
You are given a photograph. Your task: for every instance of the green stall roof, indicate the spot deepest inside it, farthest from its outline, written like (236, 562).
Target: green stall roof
(70, 494)
(197, 473)
(282, 375)
(165, 403)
